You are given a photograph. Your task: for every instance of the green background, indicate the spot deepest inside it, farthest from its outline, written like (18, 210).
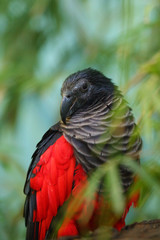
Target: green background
(41, 43)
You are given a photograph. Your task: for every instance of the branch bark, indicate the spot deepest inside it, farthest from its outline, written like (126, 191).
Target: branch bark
(146, 230)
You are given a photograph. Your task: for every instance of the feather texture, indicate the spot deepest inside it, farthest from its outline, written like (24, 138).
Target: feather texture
(102, 131)
(49, 185)
(99, 125)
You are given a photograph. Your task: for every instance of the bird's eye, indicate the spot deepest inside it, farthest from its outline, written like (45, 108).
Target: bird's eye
(84, 87)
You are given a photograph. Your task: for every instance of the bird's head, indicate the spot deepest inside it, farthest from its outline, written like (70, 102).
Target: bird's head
(81, 89)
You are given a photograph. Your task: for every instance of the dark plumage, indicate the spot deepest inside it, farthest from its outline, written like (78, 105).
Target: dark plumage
(99, 125)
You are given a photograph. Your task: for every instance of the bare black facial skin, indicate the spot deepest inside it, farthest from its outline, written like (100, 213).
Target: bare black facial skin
(82, 88)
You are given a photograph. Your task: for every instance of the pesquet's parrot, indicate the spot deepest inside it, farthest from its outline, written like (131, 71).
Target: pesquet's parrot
(96, 125)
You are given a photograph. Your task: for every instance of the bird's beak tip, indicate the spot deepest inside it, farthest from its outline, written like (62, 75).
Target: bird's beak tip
(65, 106)
(64, 121)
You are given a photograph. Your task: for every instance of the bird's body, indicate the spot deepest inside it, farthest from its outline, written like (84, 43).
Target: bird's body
(97, 125)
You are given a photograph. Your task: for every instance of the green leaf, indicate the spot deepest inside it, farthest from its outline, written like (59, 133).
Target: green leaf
(114, 185)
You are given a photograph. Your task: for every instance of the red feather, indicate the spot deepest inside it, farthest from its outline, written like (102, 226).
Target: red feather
(53, 181)
(132, 202)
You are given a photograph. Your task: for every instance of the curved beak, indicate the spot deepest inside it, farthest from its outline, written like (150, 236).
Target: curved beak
(66, 106)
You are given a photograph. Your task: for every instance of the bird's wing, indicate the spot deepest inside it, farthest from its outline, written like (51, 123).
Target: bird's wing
(48, 183)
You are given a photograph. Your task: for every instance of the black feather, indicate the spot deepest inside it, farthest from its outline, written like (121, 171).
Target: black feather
(48, 139)
(100, 127)
(103, 127)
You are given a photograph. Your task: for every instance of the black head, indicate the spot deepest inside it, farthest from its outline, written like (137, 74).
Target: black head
(81, 89)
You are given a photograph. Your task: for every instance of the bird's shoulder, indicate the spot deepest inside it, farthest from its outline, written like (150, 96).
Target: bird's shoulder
(48, 139)
(49, 181)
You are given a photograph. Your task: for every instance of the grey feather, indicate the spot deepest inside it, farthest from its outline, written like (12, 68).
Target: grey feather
(102, 131)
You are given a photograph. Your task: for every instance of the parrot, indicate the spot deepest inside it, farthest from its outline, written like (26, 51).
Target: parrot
(96, 125)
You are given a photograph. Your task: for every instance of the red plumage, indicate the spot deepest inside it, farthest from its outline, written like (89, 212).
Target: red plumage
(96, 126)
(53, 182)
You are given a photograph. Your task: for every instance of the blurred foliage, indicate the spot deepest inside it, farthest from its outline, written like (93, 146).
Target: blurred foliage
(41, 43)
